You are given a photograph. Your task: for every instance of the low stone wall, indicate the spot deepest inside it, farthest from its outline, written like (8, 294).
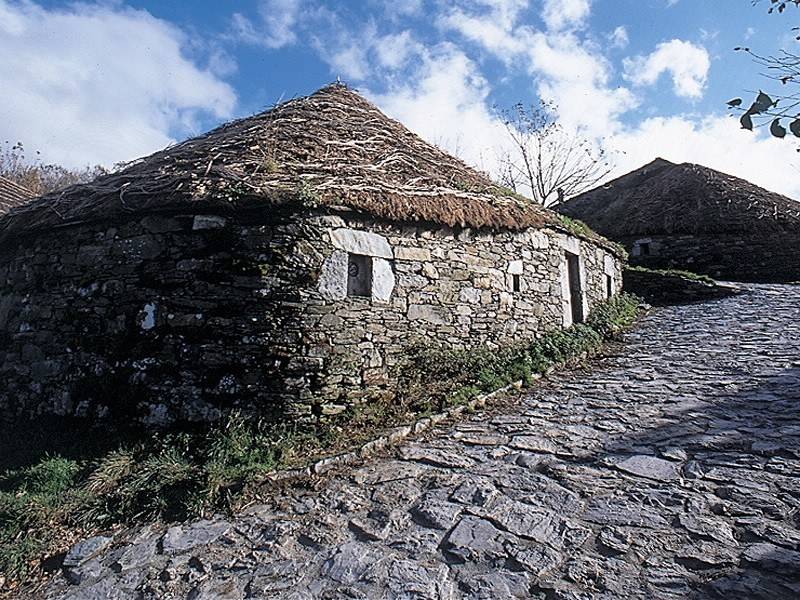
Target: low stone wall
(662, 288)
(769, 258)
(186, 317)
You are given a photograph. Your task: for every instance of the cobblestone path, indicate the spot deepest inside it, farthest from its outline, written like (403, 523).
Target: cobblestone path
(671, 470)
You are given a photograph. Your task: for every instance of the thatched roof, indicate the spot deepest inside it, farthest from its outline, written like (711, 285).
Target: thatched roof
(663, 198)
(333, 148)
(11, 195)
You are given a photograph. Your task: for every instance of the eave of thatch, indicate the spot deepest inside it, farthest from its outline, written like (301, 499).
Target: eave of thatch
(663, 198)
(12, 195)
(331, 148)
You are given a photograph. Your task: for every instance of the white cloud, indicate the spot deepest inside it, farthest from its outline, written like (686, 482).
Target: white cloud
(355, 53)
(565, 14)
(275, 29)
(495, 35)
(446, 102)
(688, 65)
(99, 83)
(577, 79)
(619, 37)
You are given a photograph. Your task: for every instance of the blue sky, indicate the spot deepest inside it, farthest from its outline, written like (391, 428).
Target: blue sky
(104, 82)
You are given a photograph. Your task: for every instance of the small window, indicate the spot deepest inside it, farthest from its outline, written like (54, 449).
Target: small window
(516, 282)
(359, 275)
(644, 248)
(609, 286)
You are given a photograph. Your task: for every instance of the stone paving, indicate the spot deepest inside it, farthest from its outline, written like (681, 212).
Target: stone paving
(670, 470)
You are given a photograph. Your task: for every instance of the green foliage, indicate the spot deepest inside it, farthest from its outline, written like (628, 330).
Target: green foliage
(433, 378)
(673, 273)
(581, 229)
(174, 475)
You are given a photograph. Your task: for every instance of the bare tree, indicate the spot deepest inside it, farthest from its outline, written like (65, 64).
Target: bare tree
(38, 177)
(545, 160)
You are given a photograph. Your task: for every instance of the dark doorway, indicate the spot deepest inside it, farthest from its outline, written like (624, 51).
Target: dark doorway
(359, 275)
(575, 287)
(609, 286)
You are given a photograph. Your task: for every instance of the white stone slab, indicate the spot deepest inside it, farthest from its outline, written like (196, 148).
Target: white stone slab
(515, 267)
(361, 242)
(333, 278)
(383, 280)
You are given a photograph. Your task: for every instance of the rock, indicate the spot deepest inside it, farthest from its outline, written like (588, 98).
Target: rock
(383, 280)
(332, 283)
(706, 555)
(618, 511)
(275, 577)
(182, 538)
(614, 540)
(773, 558)
(435, 315)
(434, 513)
(533, 443)
(85, 550)
(224, 589)
(538, 560)
(474, 540)
(525, 521)
(708, 527)
(650, 467)
(674, 453)
(202, 222)
(349, 563)
(360, 242)
(498, 584)
(435, 457)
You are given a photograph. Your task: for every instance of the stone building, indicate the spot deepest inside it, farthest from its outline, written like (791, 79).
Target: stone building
(11, 195)
(282, 263)
(691, 217)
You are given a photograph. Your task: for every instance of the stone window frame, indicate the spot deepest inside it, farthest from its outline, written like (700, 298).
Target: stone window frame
(515, 271)
(333, 280)
(643, 247)
(573, 246)
(610, 271)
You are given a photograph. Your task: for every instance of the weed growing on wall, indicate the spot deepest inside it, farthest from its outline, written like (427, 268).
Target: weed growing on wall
(433, 378)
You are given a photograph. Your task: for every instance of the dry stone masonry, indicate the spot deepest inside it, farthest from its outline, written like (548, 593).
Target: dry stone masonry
(183, 317)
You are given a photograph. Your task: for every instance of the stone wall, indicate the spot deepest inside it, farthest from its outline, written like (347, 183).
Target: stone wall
(767, 258)
(185, 317)
(663, 288)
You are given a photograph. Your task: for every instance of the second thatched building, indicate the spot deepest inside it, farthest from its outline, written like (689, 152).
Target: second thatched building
(691, 217)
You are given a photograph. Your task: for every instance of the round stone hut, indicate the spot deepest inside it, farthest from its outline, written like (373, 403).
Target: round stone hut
(691, 217)
(283, 264)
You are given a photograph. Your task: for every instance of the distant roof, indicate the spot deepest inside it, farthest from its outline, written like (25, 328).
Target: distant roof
(333, 148)
(667, 198)
(12, 195)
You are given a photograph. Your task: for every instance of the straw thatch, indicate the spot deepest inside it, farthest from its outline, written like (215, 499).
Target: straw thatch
(12, 195)
(663, 198)
(332, 148)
